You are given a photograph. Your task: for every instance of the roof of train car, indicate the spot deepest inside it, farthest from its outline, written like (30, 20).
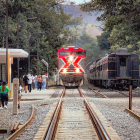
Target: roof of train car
(89, 64)
(121, 51)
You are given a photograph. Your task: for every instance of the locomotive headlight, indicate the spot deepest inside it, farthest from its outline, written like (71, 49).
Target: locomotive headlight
(71, 58)
(77, 70)
(65, 70)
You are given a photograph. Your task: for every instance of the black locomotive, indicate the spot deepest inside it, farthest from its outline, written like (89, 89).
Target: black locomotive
(116, 70)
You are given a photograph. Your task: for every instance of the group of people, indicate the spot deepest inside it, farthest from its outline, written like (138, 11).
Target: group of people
(34, 81)
(3, 94)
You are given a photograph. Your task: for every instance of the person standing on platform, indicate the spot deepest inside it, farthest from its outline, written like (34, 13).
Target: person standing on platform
(30, 82)
(33, 82)
(36, 82)
(4, 94)
(44, 79)
(39, 80)
(25, 79)
(55, 78)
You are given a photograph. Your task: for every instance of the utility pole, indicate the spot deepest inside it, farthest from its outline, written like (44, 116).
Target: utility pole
(29, 52)
(6, 40)
(37, 49)
(18, 45)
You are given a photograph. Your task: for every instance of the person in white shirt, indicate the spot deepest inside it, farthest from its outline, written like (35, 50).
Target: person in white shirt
(44, 78)
(30, 82)
(33, 82)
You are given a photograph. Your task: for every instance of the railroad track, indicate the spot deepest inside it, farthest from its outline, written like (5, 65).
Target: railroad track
(121, 94)
(74, 119)
(96, 91)
(22, 128)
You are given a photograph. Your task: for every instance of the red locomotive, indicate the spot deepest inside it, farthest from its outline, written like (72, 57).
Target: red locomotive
(71, 66)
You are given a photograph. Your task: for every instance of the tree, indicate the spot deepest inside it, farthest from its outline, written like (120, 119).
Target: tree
(121, 18)
(51, 20)
(103, 42)
(93, 51)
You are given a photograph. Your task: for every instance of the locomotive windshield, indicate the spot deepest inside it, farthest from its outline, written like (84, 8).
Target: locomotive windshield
(77, 52)
(64, 53)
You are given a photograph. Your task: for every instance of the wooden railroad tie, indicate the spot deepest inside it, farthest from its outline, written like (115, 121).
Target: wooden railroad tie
(15, 126)
(3, 131)
(12, 127)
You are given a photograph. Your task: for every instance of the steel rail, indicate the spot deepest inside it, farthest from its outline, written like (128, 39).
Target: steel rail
(21, 130)
(122, 93)
(97, 92)
(100, 129)
(53, 122)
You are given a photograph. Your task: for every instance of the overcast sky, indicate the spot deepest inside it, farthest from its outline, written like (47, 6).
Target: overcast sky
(81, 1)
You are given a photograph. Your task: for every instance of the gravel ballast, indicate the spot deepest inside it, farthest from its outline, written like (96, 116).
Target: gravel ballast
(126, 126)
(24, 113)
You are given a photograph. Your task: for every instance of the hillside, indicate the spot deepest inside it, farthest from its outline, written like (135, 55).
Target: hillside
(88, 24)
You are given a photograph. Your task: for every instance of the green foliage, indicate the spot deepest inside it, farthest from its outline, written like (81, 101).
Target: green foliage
(103, 42)
(121, 18)
(50, 29)
(93, 51)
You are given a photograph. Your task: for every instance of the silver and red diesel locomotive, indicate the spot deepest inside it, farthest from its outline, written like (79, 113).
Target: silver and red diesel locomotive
(71, 66)
(116, 70)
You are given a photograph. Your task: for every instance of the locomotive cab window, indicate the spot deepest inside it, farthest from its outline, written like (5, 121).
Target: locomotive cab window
(64, 53)
(77, 52)
(122, 61)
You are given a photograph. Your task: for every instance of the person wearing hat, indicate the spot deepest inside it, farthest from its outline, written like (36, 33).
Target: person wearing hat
(4, 94)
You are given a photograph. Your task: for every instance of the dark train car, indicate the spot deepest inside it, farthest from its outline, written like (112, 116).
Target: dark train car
(71, 66)
(117, 70)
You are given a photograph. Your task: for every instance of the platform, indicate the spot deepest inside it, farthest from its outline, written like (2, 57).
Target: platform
(36, 95)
